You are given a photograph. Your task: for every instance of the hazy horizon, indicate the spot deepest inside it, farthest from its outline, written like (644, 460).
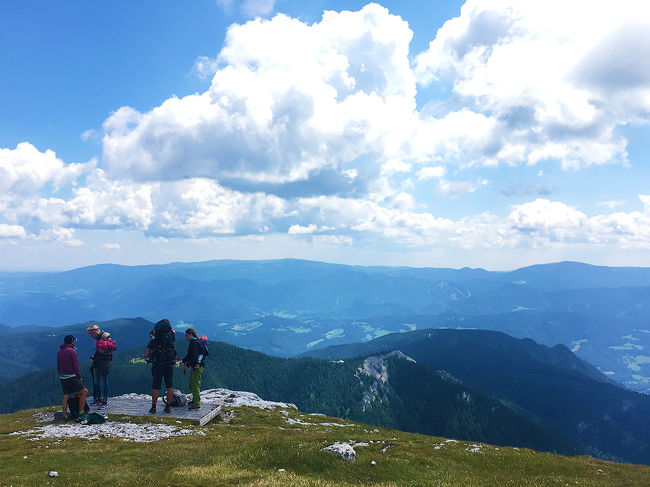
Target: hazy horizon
(163, 263)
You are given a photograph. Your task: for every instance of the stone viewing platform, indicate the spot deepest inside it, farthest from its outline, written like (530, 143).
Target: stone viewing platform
(212, 400)
(139, 404)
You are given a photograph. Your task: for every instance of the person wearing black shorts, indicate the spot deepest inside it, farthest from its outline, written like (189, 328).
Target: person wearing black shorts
(160, 372)
(160, 369)
(67, 364)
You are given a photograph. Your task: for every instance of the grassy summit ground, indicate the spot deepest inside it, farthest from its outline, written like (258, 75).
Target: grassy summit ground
(258, 444)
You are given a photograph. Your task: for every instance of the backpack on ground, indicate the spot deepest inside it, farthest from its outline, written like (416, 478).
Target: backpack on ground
(73, 406)
(163, 352)
(178, 399)
(96, 418)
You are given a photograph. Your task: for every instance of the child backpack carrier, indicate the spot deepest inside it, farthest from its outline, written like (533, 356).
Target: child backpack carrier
(164, 352)
(203, 348)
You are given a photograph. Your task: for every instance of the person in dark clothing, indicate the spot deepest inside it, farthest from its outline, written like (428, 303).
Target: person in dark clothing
(67, 365)
(162, 367)
(194, 361)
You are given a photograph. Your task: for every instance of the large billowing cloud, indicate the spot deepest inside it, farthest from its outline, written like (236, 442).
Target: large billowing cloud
(293, 109)
(25, 170)
(300, 110)
(313, 130)
(558, 77)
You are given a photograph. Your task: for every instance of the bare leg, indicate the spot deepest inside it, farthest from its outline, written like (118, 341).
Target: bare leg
(64, 405)
(82, 400)
(170, 395)
(154, 397)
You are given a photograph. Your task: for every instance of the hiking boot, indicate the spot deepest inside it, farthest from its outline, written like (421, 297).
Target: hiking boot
(101, 407)
(153, 409)
(168, 409)
(193, 407)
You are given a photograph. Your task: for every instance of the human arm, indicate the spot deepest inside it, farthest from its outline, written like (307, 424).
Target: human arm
(191, 359)
(75, 360)
(148, 352)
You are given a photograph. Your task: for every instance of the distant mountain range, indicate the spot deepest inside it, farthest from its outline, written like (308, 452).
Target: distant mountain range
(466, 384)
(288, 307)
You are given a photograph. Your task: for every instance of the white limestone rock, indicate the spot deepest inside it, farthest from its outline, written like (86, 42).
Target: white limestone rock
(343, 450)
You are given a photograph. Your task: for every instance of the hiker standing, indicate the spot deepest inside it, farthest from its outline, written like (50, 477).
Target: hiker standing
(194, 360)
(96, 334)
(102, 362)
(67, 365)
(160, 353)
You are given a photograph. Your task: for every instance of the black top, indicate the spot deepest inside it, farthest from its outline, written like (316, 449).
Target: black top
(193, 352)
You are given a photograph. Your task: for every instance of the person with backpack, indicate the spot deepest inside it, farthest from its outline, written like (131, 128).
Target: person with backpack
(102, 362)
(67, 365)
(161, 354)
(195, 361)
(96, 334)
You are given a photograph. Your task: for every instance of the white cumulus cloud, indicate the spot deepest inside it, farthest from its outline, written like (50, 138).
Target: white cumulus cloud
(293, 108)
(300, 229)
(312, 131)
(558, 77)
(11, 231)
(543, 214)
(26, 170)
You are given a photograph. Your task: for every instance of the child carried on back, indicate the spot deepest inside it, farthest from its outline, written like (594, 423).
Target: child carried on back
(102, 358)
(105, 346)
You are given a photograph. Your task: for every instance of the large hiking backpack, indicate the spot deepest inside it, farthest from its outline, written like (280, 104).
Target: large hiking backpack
(178, 399)
(163, 352)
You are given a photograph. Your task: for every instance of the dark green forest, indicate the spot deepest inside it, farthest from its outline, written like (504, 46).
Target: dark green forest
(417, 399)
(466, 384)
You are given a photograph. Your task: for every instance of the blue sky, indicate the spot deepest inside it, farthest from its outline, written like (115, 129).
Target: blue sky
(489, 134)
